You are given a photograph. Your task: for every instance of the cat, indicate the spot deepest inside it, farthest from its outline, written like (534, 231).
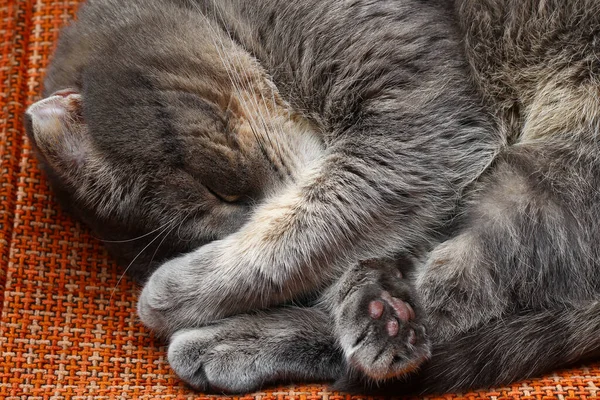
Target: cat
(399, 191)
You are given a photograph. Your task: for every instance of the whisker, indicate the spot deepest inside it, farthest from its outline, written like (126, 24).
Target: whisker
(236, 80)
(134, 239)
(135, 258)
(265, 137)
(270, 147)
(163, 240)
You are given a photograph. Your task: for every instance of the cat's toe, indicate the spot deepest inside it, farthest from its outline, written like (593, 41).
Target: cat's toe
(402, 309)
(186, 356)
(167, 301)
(376, 308)
(155, 305)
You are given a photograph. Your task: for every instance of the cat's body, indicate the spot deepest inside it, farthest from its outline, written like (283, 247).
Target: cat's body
(291, 140)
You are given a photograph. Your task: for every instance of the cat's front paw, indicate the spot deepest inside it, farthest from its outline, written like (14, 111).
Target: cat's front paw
(210, 361)
(160, 298)
(380, 327)
(184, 292)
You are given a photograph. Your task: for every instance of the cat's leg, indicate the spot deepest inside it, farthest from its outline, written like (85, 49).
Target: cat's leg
(528, 241)
(457, 286)
(379, 322)
(244, 352)
(381, 187)
(517, 346)
(460, 281)
(356, 203)
(369, 321)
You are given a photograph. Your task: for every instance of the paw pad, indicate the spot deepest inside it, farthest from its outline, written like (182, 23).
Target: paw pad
(376, 308)
(402, 310)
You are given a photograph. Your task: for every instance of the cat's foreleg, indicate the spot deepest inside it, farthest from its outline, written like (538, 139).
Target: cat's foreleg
(370, 195)
(369, 324)
(293, 244)
(245, 352)
(404, 136)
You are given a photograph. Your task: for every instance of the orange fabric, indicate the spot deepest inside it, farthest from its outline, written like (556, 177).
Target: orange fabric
(68, 327)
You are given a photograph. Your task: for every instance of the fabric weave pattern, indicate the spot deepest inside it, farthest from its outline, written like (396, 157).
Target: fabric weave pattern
(68, 327)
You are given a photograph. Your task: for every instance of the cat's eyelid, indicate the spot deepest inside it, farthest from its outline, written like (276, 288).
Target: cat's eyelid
(224, 197)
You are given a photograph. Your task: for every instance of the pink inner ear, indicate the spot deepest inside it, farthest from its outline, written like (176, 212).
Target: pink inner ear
(61, 108)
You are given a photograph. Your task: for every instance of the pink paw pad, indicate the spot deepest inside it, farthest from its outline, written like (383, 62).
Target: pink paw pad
(376, 308)
(392, 327)
(412, 337)
(404, 312)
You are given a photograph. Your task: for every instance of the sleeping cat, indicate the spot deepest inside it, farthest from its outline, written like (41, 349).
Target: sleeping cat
(400, 191)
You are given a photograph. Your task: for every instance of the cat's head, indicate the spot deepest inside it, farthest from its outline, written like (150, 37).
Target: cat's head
(161, 150)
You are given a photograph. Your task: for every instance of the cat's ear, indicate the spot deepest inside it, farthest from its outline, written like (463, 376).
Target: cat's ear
(58, 131)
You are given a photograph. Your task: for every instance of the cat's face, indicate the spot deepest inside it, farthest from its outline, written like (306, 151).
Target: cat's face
(163, 158)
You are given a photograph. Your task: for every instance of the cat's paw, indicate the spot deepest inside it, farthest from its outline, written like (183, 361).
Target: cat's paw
(456, 288)
(379, 325)
(196, 289)
(159, 301)
(181, 293)
(210, 362)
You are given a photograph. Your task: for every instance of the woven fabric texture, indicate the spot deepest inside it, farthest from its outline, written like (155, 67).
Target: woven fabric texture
(68, 328)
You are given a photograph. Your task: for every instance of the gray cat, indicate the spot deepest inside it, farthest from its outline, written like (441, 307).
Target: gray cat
(398, 191)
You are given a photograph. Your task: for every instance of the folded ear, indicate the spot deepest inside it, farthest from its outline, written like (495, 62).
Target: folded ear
(56, 127)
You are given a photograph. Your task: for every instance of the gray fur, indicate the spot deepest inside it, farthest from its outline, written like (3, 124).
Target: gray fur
(402, 178)
(282, 142)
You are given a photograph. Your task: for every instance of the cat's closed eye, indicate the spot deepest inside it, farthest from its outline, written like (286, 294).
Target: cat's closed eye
(226, 198)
